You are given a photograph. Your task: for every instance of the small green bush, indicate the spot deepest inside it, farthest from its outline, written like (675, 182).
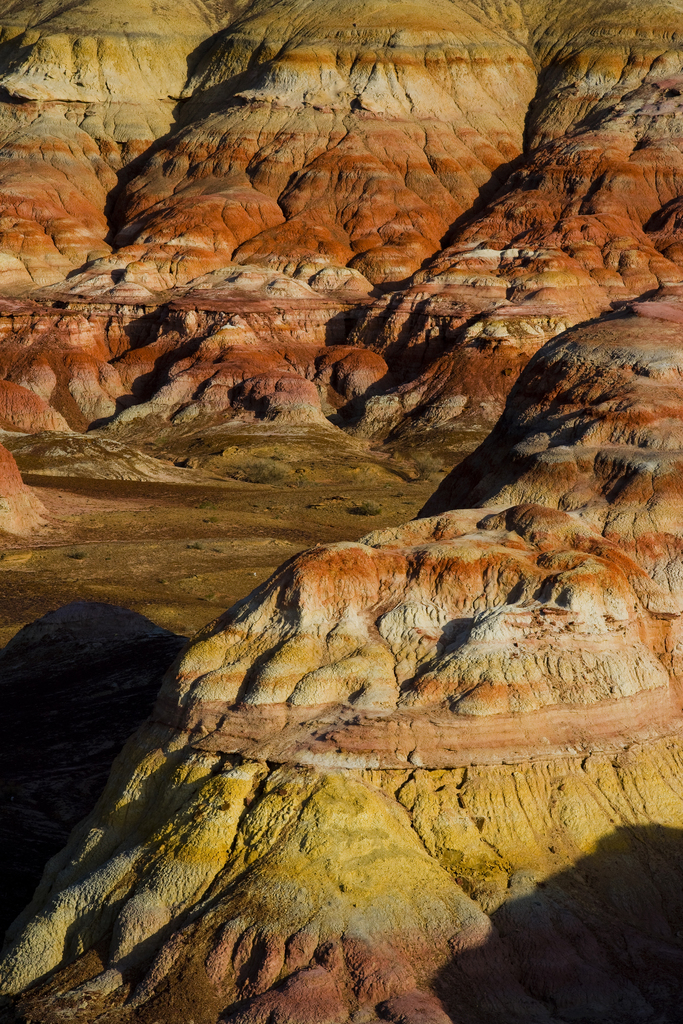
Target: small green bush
(77, 555)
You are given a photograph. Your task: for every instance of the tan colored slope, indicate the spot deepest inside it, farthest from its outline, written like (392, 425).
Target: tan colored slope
(96, 52)
(20, 510)
(88, 87)
(500, 154)
(320, 135)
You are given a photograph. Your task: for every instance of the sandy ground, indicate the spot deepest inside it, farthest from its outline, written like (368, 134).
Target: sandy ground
(179, 554)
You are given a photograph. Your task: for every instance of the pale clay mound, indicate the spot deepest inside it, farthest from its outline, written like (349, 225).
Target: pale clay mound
(401, 767)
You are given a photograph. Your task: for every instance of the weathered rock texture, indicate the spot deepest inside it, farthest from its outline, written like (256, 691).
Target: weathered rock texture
(20, 510)
(402, 368)
(594, 427)
(513, 168)
(51, 453)
(342, 144)
(434, 775)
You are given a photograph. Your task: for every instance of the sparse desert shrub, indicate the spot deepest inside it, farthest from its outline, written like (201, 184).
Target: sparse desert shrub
(427, 465)
(366, 508)
(261, 471)
(77, 555)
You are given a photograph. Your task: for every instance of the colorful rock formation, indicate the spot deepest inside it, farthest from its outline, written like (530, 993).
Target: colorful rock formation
(445, 754)
(433, 775)
(594, 428)
(339, 142)
(514, 169)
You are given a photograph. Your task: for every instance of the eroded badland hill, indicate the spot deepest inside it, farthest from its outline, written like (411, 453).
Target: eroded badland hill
(364, 323)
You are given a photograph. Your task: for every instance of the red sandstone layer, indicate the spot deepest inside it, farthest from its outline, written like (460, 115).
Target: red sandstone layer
(345, 738)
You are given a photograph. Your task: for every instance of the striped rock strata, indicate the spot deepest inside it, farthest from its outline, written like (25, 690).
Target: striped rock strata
(514, 148)
(431, 776)
(595, 428)
(505, 171)
(400, 370)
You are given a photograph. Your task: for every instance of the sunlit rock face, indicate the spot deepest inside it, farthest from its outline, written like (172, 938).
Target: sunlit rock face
(433, 775)
(343, 145)
(20, 510)
(334, 135)
(313, 139)
(593, 427)
(87, 88)
(505, 171)
(400, 765)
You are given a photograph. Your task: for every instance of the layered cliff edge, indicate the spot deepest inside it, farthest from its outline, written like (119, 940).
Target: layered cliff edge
(441, 190)
(431, 776)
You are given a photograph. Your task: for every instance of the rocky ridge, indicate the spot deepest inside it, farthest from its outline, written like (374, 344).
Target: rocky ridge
(433, 775)
(484, 703)
(298, 163)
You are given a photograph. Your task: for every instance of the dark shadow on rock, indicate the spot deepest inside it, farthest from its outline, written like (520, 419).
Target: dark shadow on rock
(73, 685)
(598, 943)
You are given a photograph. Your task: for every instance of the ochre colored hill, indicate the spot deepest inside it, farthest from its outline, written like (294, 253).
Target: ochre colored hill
(403, 767)
(433, 775)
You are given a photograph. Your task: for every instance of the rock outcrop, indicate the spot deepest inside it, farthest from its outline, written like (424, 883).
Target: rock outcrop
(433, 775)
(395, 369)
(20, 510)
(402, 767)
(594, 428)
(344, 143)
(51, 453)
